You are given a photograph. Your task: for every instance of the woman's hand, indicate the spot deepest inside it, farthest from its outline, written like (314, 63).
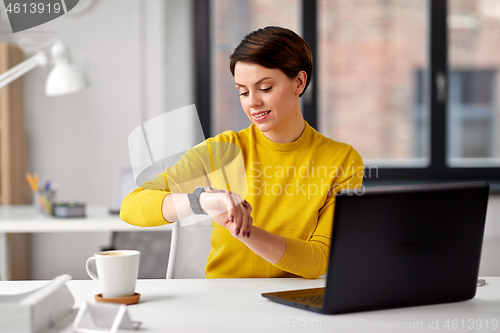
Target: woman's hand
(229, 210)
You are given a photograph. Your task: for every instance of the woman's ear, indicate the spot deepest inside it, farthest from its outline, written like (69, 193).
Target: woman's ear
(300, 81)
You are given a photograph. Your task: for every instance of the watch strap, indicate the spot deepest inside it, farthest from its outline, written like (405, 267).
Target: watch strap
(194, 200)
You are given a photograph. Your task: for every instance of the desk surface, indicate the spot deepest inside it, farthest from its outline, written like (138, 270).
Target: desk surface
(236, 305)
(23, 219)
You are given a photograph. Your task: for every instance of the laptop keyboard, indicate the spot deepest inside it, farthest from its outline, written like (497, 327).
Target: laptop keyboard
(316, 300)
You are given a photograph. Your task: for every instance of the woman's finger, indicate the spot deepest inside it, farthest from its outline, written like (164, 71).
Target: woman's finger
(244, 221)
(231, 214)
(238, 221)
(241, 216)
(230, 218)
(247, 205)
(249, 221)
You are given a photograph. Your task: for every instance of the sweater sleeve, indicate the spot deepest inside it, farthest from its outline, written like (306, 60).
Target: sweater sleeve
(309, 258)
(143, 206)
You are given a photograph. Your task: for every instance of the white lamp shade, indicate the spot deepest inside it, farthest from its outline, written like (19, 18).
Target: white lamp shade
(65, 79)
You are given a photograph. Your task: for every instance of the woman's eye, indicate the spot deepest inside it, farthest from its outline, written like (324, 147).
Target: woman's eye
(244, 93)
(266, 89)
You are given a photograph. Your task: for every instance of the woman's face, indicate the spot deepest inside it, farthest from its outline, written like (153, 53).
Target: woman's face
(269, 98)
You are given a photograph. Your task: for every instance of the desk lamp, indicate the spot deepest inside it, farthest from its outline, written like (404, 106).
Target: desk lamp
(64, 78)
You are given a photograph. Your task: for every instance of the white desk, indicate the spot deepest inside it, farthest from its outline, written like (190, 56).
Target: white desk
(23, 219)
(235, 305)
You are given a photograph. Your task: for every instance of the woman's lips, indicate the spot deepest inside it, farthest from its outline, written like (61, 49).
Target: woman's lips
(259, 116)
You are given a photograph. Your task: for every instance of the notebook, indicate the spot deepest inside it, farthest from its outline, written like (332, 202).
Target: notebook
(400, 246)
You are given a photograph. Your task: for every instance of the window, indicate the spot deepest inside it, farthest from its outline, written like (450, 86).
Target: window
(474, 71)
(413, 85)
(471, 118)
(366, 89)
(230, 21)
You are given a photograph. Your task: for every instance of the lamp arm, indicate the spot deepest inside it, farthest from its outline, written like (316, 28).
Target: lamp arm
(39, 59)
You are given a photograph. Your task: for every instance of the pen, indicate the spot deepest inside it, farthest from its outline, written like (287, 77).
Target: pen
(33, 183)
(47, 206)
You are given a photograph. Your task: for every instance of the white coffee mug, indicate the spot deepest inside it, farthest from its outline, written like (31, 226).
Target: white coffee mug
(116, 271)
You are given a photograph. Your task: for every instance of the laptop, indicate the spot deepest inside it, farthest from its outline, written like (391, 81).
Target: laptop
(400, 246)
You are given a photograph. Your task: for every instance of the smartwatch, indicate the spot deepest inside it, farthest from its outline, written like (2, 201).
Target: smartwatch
(194, 200)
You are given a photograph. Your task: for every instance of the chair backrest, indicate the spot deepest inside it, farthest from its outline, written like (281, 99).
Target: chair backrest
(123, 185)
(189, 244)
(154, 246)
(189, 250)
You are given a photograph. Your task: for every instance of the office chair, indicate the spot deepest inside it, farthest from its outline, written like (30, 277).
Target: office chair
(189, 250)
(154, 246)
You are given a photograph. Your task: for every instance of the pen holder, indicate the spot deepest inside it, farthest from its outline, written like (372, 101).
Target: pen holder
(44, 201)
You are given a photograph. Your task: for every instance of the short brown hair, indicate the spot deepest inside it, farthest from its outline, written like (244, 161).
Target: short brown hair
(275, 47)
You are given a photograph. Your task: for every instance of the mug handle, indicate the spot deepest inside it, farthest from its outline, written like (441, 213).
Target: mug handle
(90, 272)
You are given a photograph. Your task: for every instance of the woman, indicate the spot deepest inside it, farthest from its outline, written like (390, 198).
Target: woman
(282, 227)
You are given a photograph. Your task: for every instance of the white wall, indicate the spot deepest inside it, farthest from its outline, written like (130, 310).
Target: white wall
(80, 140)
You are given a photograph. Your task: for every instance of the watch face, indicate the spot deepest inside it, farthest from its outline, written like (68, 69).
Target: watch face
(199, 190)
(195, 200)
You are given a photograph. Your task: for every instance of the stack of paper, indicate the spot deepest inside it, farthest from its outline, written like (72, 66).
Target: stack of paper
(37, 310)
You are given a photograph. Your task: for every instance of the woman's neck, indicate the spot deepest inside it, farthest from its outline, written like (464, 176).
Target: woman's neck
(288, 131)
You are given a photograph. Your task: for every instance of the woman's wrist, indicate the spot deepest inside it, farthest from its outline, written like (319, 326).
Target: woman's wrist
(267, 245)
(176, 206)
(206, 202)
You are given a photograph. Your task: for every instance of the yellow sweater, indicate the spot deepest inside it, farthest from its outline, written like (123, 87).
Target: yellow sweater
(290, 186)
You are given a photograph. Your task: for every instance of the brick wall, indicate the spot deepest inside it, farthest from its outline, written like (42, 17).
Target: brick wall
(369, 54)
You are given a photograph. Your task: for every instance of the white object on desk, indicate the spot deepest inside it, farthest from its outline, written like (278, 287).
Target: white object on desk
(117, 272)
(99, 317)
(37, 310)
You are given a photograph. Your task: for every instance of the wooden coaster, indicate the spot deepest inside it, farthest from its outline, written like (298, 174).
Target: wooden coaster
(127, 300)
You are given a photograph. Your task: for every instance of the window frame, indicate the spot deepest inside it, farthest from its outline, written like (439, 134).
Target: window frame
(437, 170)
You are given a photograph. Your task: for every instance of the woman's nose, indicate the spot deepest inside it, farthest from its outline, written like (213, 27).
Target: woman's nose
(254, 101)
